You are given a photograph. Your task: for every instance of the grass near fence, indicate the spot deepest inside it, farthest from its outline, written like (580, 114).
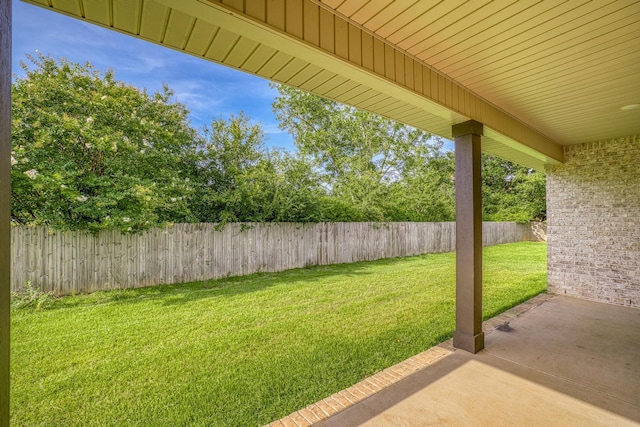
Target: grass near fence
(242, 351)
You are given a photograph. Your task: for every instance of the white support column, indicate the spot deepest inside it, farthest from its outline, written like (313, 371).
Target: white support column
(5, 204)
(468, 335)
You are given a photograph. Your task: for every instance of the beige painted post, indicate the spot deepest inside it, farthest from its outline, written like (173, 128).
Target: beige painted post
(468, 335)
(5, 204)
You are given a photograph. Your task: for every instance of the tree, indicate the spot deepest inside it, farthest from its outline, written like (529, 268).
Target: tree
(379, 170)
(367, 162)
(429, 194)
(90, 152)
(511, 192)
(240, 180)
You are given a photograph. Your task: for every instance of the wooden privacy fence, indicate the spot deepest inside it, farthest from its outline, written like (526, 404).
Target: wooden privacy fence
(74, 262)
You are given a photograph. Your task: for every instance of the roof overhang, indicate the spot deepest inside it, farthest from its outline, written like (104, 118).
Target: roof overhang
(429, 64)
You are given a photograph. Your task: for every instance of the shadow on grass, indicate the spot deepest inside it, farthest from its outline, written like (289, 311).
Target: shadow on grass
(182, 293)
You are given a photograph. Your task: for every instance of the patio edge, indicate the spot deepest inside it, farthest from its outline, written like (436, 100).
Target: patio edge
(366, 388)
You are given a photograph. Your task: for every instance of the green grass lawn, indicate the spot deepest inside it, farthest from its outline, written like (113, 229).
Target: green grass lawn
(242, 351)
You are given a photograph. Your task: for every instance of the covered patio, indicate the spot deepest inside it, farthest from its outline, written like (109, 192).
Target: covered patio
(550, 85)
(553, 361)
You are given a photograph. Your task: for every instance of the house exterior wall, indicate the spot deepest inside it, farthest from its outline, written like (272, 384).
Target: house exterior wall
(593, 222)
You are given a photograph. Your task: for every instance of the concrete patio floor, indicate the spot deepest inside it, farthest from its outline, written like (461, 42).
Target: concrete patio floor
(553, 361)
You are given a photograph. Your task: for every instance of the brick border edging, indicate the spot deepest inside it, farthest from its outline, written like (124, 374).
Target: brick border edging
(342, 400)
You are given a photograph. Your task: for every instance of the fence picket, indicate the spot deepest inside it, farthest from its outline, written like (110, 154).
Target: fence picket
(66, 262)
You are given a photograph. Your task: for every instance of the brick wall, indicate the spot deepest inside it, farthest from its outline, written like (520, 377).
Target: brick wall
(593, 222)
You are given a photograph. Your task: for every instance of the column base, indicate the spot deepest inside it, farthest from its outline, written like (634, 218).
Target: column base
(468, 342)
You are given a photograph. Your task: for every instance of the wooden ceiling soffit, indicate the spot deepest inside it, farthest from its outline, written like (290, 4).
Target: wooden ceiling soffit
(314, 35)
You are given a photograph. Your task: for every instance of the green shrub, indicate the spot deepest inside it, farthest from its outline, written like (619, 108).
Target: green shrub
(32, 296)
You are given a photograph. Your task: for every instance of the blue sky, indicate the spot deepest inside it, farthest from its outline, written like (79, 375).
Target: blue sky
(209, 90)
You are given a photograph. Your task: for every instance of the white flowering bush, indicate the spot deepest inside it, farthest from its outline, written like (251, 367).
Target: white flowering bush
(31, 173)
(90, 152)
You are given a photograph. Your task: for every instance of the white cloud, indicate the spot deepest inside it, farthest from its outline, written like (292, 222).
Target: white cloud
(272, 128)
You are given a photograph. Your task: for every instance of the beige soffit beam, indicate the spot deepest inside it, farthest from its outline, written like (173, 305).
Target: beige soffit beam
(501, 128)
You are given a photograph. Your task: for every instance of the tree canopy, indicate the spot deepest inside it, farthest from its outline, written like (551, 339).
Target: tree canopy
(511, 192)
(241, 180)
(372, 166)
(90, 152)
